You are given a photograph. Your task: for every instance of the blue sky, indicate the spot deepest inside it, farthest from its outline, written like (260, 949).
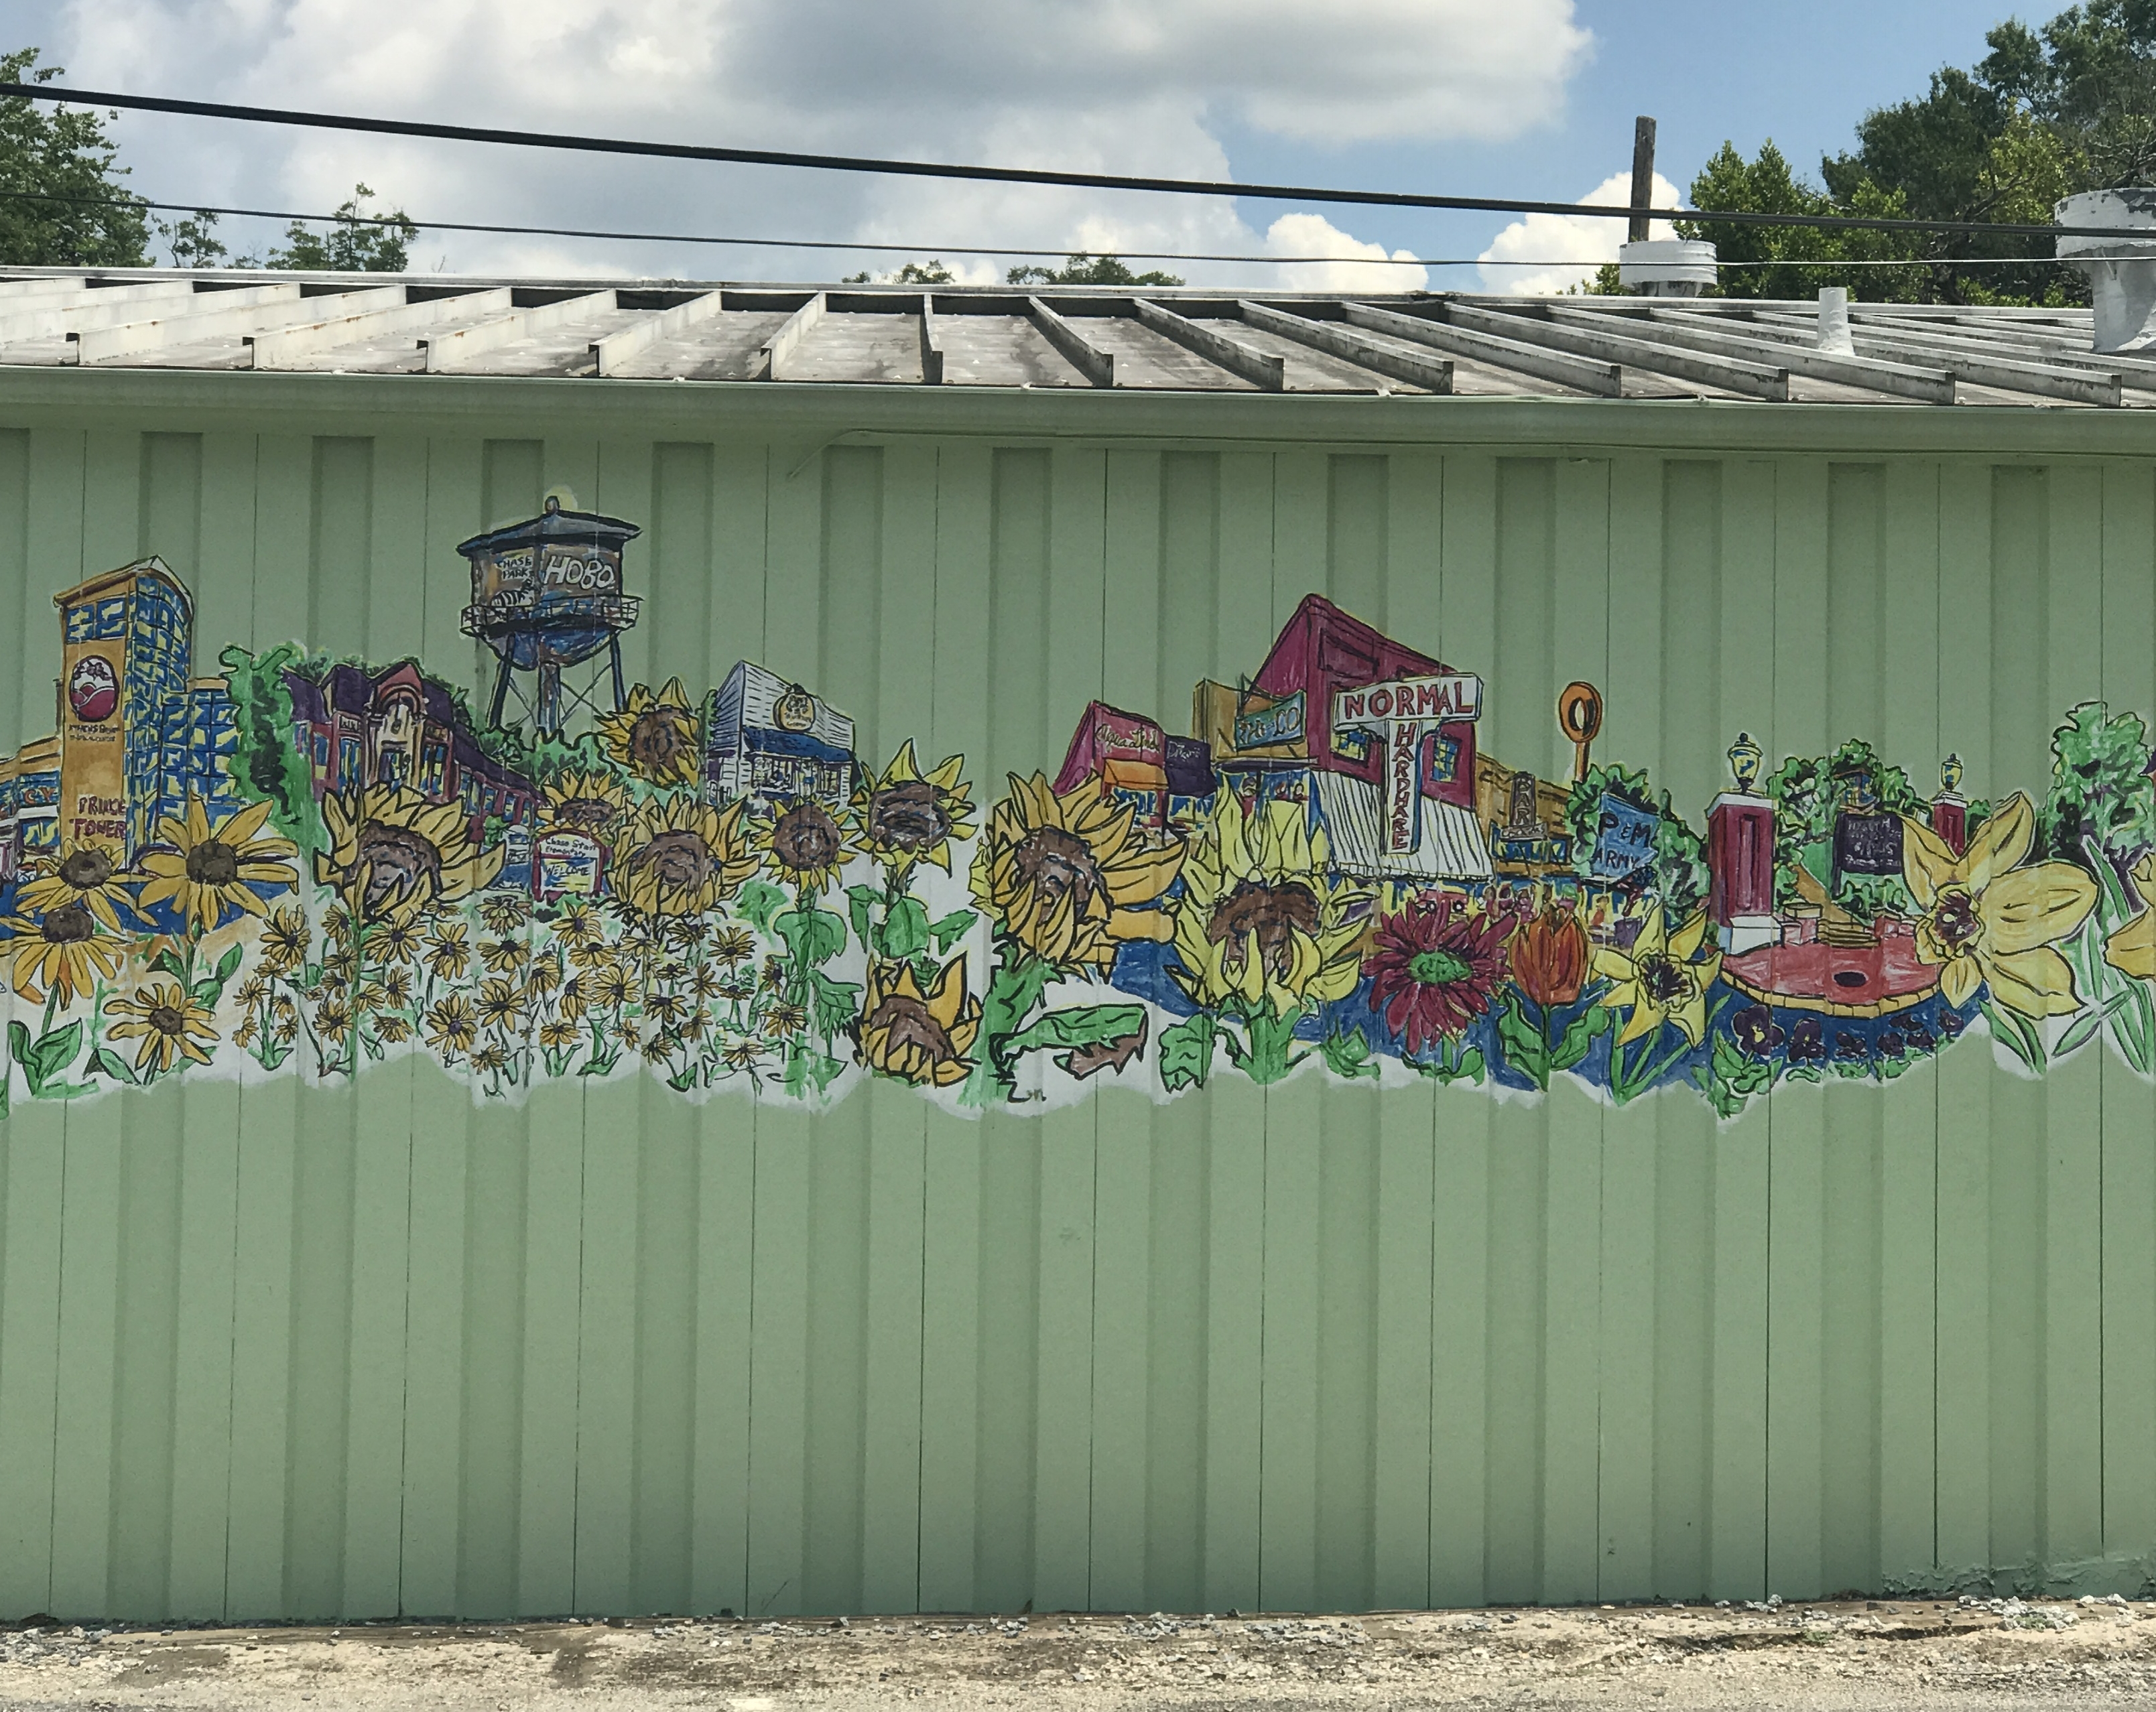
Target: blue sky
(1528, 97)
(1708, 70)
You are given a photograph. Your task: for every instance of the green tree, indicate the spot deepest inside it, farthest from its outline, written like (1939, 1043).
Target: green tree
(2090, 75)
(194, 243)
(928, 273)
(64, 153)
(356, 241)
(1084, 269)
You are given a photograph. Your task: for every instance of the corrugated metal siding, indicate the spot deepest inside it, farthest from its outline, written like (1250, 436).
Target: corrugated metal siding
(370, 1350)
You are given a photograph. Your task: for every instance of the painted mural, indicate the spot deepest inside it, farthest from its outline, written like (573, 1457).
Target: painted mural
(294, 864)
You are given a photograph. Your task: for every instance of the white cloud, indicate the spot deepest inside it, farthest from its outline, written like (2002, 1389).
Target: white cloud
(1314, 235)
(1144, 86)
(1575, 245)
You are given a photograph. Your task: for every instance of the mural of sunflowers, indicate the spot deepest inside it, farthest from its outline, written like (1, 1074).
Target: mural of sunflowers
(716, 891)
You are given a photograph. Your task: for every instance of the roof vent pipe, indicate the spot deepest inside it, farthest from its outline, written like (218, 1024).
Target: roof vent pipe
(2122, 270)
(1666, 267)
(1834, 321)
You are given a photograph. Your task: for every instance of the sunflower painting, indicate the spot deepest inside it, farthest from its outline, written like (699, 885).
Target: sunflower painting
(1336, 874)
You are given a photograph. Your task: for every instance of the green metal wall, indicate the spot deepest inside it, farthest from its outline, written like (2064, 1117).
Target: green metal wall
(290, 1351)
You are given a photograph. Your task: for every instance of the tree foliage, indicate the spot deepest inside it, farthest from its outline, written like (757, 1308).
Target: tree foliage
(1084, 269)
(2045, 114)
(931, 272)
(63, 153)
(355, 242)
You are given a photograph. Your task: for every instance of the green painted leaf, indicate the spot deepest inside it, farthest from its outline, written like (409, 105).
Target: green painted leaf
(1186, 1052)
(860, 901)
(760, 900)
(1525, 1049)
(832, 1003)
(2087, 1026)
(108, 1063)
(814, 937)
(168, 962)
(52, 1054)
(903, 933)
(1349, 1055)
(1081, 1025)
(228, 965)
(951, 929)
(1572, 1047)
(2019, 1039)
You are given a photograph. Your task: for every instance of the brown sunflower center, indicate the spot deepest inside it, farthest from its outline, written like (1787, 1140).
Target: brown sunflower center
(678, 857)
(86, 869)
(1058, 864)
(1270, 915)
(168, 1019)
(805, 838)
(908, 816)
(657, 739)
(399, 861)
(69, 925)
(910, 1023)
(589, 814)
(1955, 919)
(1661, 980)
(213, 863)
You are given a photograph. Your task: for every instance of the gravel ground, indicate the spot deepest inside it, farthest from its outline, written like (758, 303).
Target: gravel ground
(1852, 1654)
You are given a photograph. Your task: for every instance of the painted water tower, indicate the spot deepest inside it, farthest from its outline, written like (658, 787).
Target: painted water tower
(546, 597)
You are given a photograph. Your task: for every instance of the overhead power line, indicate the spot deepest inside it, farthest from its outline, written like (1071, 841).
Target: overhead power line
(1005, 175)
(933, 250)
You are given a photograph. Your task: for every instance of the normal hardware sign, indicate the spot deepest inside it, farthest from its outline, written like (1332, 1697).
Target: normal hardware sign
(1403, 713)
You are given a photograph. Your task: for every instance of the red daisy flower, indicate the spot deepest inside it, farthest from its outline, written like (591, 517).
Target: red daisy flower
(1433, 970)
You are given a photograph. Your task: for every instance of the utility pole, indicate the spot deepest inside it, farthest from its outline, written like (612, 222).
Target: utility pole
(1643, 176)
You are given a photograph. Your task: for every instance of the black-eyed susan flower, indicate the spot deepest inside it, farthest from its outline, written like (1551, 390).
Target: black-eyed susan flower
(63, 951)
(169, 1022)
(452, 1025)
(213, 872)
(448, 952)
(84, 874)
(283, 940)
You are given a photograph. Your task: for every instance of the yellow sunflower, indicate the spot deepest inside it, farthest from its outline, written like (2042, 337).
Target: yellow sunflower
(169, 1023)
(449, 951)
(805, 843)
(683, 858)
(1061, 875)
(907, 817)
(1662, 978)
(1989, 919)
(654, 736)
(87, 874)
(1260, 916)
(592, 803)
(921, 1037)
(394, 854)
(64, 950)
(212, 871)
(2131, 948)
